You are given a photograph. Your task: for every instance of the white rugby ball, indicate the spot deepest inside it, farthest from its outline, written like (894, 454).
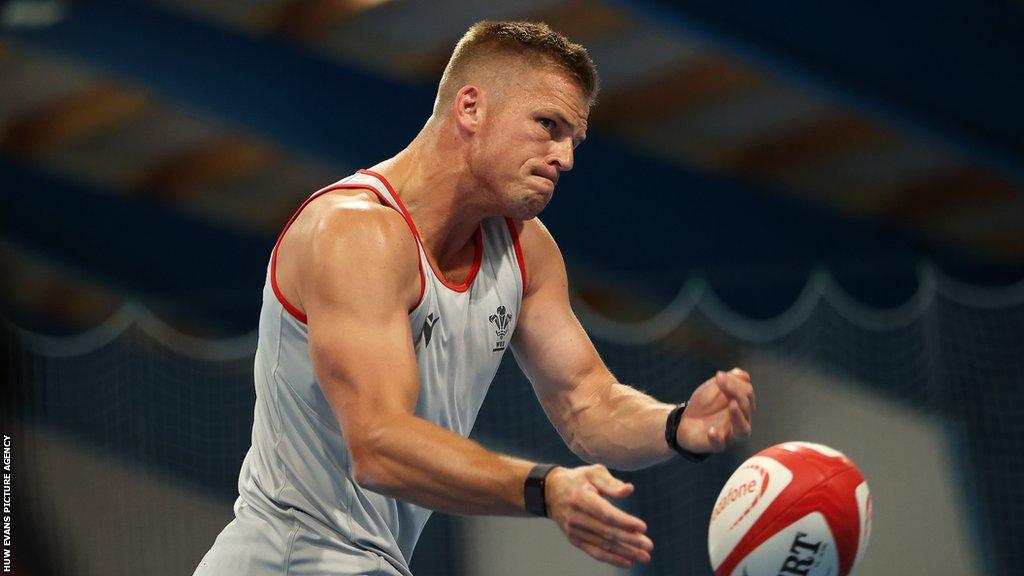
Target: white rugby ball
(795, 509)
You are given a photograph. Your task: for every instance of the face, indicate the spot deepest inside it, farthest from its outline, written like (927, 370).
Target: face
(527, 137)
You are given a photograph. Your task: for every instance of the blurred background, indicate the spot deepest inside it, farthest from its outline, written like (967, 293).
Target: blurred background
(830, 195)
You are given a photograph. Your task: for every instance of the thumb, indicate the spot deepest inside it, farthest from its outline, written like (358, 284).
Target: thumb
(609, 485)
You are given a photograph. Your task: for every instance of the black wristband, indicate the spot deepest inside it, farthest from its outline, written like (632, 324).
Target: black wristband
(671, 427)
(533, 490)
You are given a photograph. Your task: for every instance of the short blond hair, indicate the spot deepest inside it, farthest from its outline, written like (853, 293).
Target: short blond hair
(534, 41)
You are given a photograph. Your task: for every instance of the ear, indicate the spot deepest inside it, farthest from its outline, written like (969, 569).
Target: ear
(469, 108)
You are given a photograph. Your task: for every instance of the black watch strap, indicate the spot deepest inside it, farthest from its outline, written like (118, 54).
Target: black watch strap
(533, 491)
(671, 427)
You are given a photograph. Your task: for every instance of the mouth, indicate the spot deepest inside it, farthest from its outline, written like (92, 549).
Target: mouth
(552, 179)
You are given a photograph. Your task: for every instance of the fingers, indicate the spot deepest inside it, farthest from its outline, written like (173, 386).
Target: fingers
(735, 385)
(608, 549)
(741, 373)
(632, 540)
(608, 485)
(604, 531)
(744, 375)
(741, 425)
(597, 507)
(601, 554)
(717, 439)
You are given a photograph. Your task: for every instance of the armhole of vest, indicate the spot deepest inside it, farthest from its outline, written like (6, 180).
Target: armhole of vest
(273, 260)
(415, 237)
(400, 207)
(514, 234)
(298, 315)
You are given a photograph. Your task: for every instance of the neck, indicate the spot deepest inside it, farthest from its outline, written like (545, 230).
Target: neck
(431, 178)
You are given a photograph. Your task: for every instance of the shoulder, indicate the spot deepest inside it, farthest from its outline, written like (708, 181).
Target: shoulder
(541, 255)
(354, 241)
(361, 222)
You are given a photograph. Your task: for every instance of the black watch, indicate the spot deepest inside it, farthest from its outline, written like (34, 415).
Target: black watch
(533, 491)
(671, 426)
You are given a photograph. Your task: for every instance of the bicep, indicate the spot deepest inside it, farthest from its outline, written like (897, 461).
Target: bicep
(363, 361)
(357, 291)
(550, 344)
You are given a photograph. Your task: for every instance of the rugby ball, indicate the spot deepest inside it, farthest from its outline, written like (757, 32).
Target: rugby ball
(795, 509)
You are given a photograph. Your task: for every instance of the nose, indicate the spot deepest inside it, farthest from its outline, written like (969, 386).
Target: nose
(562, 156)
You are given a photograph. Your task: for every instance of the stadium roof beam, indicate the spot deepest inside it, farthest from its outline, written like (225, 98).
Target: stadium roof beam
(272, 87)
(992, 232)
(311, 19)
(584, 21)
(819, 138)
(43, 290)
(959, 188)
(1010, 243)
(691, 85)
(224, 159)
(73, 117)
(949, 72)
(135, 245)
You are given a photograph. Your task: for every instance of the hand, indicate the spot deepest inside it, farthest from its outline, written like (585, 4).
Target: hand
(719, 412)
(576, 502)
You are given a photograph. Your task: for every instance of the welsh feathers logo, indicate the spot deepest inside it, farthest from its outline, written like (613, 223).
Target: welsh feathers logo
(501, 320)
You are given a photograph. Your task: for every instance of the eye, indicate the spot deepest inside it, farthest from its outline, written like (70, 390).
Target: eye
(547, 123)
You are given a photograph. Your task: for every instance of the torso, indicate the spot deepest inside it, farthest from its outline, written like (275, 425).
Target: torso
(299, 468)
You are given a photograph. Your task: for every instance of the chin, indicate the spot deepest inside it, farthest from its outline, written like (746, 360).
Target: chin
(530, 207)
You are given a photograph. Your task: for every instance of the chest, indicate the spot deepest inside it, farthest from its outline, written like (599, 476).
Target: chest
(460, 339)
(471, 327)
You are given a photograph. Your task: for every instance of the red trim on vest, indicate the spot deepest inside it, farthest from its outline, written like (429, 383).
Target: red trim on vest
(479, 250)
(273, 257)
(519, 249)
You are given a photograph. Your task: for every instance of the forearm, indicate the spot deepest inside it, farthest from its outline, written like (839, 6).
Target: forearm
(622, 428)
(419, 462)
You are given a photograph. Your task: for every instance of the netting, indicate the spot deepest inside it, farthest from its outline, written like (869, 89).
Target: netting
(177, 412)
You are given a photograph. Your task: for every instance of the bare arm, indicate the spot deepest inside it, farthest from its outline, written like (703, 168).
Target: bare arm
(357, 289)
(601, 419)
(359, 284)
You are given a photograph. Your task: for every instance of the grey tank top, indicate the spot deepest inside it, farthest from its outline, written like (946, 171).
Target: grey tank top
(299, 464)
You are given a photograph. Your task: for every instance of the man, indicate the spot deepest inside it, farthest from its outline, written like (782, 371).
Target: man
(391, 297)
